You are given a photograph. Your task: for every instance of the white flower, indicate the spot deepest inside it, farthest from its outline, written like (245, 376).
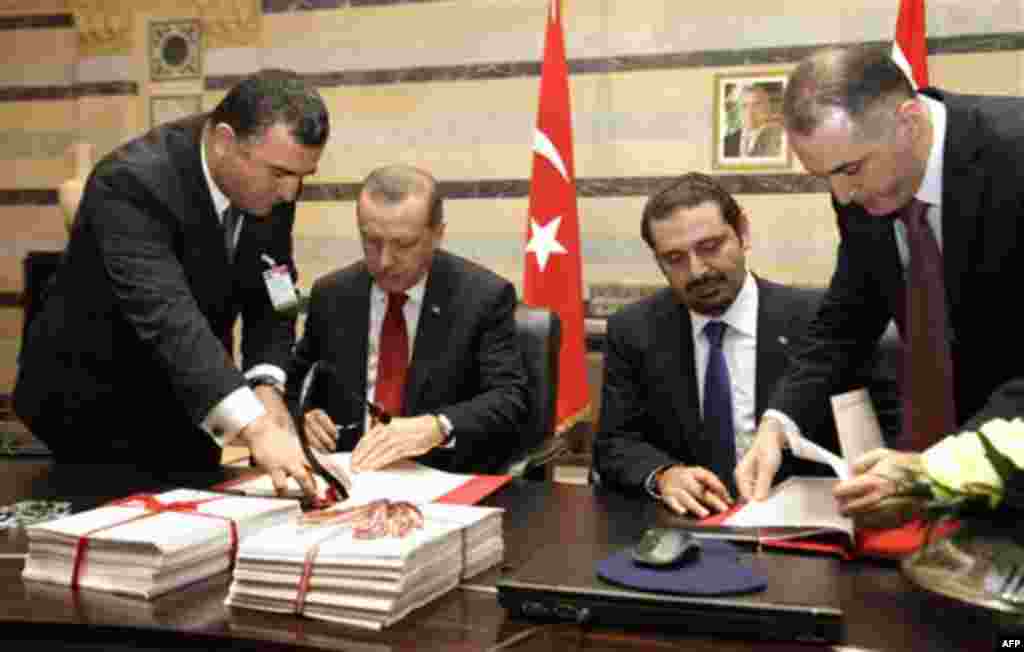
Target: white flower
(1008, 438)
(959, 464)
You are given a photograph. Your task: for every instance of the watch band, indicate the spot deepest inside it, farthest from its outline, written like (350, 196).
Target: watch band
(260, 380)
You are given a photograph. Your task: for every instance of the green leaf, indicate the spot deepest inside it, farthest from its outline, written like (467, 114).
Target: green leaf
(1003, 465)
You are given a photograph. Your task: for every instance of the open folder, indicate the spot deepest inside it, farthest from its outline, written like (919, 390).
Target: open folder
(802, 513)
(404, 480)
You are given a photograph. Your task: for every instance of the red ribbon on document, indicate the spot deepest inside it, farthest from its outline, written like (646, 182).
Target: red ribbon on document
(153, 506)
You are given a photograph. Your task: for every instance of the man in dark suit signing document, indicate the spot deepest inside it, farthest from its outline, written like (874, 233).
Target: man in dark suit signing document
(689, 369)
(130, 359)
(424, 335)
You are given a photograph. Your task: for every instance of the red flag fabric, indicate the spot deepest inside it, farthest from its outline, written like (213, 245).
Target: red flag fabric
(552, 274)
(910, 48)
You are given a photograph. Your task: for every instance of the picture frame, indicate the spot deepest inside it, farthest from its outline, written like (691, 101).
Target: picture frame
(175, 49)
(748, 133)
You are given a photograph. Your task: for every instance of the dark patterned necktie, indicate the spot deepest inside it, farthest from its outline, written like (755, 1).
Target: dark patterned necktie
(231, 217)
(718, 417)
(929, 408)
(393, 357)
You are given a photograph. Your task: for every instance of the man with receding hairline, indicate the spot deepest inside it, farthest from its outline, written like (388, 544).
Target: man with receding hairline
(459, 399)
(854, 120)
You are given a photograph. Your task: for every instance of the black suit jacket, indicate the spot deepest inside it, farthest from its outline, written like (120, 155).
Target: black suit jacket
(466, 361)
(128, 354)
(983, 257)
(650, 410)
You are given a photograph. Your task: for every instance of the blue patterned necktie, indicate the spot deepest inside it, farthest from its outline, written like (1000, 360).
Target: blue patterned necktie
(718, 417)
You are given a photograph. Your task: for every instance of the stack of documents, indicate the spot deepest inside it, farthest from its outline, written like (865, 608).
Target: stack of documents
(328, 572)
(148, 545)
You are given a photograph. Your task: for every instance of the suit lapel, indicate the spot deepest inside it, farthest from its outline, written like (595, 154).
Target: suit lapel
(204, 239)
(352, 327)
(772, 342)
(432, 332)
(962, 187)
(673, 348)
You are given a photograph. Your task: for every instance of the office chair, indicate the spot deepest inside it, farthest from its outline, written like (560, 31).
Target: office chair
(540, 337)
(37, 268)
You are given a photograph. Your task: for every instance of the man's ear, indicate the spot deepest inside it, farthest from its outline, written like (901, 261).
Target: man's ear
(912, 116)
(743, 230)
(222, 138)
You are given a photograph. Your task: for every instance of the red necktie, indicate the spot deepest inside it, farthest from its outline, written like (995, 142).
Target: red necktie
(929, 409)
(393, 359)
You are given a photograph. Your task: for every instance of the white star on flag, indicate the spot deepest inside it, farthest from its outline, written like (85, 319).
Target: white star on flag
(544, 241)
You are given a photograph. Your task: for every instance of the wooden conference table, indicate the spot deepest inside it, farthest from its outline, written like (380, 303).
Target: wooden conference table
(882, 610)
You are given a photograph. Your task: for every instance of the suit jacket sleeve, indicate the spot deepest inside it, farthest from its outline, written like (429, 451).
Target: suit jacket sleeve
(136, 238)
(500, 404)
(844, 333)
(623, 454)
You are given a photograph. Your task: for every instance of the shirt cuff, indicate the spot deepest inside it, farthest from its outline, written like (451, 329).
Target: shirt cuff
(651, 483)
(266, 369)
(789, 427)
(234, 412)
(449, 432)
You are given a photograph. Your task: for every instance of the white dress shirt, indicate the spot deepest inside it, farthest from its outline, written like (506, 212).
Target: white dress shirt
(739, 345)
(411, 310)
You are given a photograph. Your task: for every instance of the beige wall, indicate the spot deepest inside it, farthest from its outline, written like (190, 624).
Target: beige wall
(654, 122)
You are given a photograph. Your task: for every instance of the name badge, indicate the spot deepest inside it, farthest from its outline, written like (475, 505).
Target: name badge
(281, 289)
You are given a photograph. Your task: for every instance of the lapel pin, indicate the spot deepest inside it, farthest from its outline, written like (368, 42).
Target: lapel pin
(783, 339)
(435, 309)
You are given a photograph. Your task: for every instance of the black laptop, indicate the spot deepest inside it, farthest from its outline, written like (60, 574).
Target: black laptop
(558, 583)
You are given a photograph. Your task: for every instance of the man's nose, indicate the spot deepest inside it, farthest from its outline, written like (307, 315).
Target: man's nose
(697, 265)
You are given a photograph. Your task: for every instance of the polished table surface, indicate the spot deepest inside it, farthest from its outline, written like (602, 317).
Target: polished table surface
(882, 610)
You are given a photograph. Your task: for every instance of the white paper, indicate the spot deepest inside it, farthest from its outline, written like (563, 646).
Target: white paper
(802, 502)
(405, 480)
(807, 450)
(856, 423)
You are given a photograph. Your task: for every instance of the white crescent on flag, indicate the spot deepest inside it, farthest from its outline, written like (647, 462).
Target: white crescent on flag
(543, 146)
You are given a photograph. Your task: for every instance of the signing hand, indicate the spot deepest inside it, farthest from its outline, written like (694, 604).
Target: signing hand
(321, 431)
(693, 489)
(276, 450)
(757, 469)
(877, 476)
(400, 439)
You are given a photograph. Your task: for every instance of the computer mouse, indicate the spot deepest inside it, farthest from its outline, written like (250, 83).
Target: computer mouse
(666, 547)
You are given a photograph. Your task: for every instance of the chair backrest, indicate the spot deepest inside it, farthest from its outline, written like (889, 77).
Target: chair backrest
(38, 268)
(539, 332)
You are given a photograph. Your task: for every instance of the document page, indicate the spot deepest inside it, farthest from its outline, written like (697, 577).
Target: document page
(801, 502)
(405, 480)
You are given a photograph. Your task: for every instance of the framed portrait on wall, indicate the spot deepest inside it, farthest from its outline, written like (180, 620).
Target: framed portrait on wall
(748, 132)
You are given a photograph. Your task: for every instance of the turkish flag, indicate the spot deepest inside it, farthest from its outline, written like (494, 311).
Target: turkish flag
(910, 49)
(552, 274)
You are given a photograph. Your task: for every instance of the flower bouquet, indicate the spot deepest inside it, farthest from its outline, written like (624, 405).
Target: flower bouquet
(971, 490)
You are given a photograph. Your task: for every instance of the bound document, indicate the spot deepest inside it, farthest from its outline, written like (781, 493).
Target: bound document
(801, 512)
(146, 545)
(332, 570)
